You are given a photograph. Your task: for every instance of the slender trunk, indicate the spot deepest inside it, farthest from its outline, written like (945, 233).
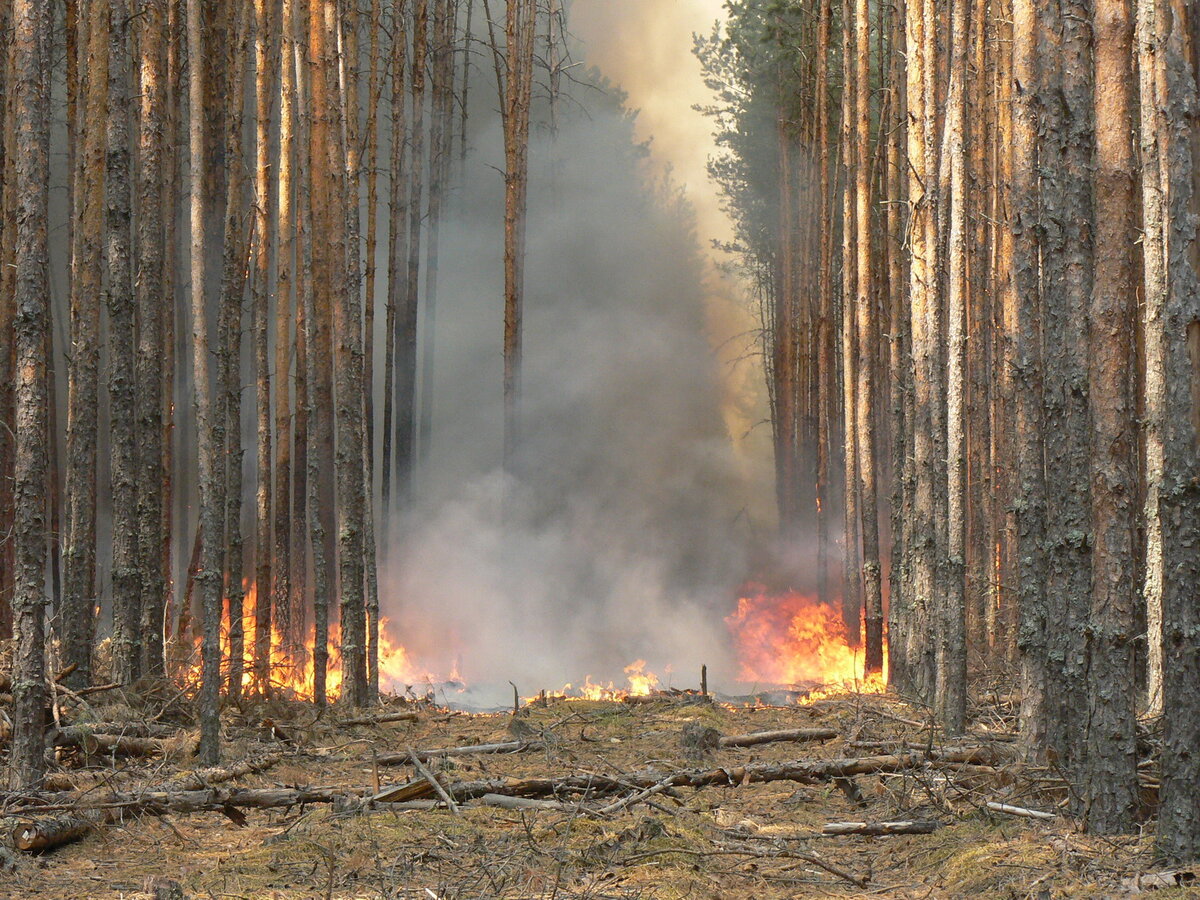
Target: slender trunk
(31, 114)
(151, 301)
(404, 444)
(229, 330)
(209, 751)
(397, 253)
(126, 572)
(263, 233)
(867, 333)
(79, 556)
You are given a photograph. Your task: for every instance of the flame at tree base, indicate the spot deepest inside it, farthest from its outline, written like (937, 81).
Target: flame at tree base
(793, 639)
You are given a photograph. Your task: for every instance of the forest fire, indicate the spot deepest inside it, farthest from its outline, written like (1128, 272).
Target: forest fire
(792, 638)
(641, 684)
(292, 672)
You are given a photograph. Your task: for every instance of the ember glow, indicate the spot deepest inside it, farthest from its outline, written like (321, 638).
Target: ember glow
(791, 639)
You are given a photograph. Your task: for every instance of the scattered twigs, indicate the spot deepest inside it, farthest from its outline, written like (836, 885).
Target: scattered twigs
(636, 798)
(1020, 811)
(432, 779)
(796, 735)
(880, 829)
(401, 759)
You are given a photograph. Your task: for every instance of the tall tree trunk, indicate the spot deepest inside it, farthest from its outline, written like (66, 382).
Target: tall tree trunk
(867, 340)
(234, 255)
(263, 233)
(31, 114)
(404, 443)
(152, 302)
(952, 648)
(398, 178)
(1066, 220)
(1171, 319)
(126, 571)
(209, 751)
(83, 362)
(1027, 352)
(283, 595)
(1110, 784)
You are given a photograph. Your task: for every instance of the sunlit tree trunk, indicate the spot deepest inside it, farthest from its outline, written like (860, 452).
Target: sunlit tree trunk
(152, 302)
(867, 333)
(1171, 320)
(1027, 356)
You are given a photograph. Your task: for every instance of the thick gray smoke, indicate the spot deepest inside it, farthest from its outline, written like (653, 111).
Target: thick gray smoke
(624, 535)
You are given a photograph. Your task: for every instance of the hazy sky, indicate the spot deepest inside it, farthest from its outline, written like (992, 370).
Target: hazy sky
(646, 47)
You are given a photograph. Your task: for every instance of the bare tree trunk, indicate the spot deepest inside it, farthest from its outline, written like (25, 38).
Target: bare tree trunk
(852, 604)
(263, 234)
(1027, 352)
(8, 227)
(126, 571)
(826, 400)
(374, 94)
(952, 649)
(209, 751)
(31, 113)
(867, 332)
(398, 178)
(231, 313)
(514, 77)
(1171, 319)
(1067, 258)
(404, 444)
(1110, 784)
(79, 557)
(285, 610)
(152, 300)
(921, 594)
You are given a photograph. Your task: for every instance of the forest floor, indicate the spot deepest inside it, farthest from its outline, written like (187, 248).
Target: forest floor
(743, 835)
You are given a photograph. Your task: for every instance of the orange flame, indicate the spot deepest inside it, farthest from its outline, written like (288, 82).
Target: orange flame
(293, 672)
(792, 638)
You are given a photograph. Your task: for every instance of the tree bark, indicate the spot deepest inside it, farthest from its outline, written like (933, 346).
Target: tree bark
(153, 304)
(83, 362)
(126, 570)
(31, 114)
(209, 750)
(1110, 784)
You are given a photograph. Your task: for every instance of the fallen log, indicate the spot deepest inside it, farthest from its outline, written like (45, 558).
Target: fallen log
(424, 772)
(795, 735)
(94, 743)
(801, 771)
(378, 720)
(403, 759)
(46, 834)
(1020, 811)
(880, 829)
